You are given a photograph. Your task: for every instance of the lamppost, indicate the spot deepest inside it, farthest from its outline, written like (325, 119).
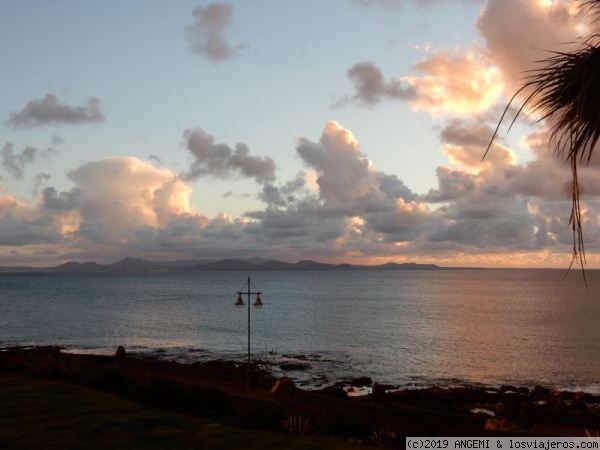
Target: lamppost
(240, 304)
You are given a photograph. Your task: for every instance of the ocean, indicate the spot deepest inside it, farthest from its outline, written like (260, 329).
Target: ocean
(411, 328)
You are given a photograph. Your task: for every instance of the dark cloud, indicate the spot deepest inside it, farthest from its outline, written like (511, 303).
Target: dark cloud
(60, 201)
(57, 139)
(49, 111)
(485, 223)
(207, 35)
(462, 132)
(20, 231)
(14, 163)
(220, 160)
(371, 87)
(272, 196)
(394, 187)
(39, 180)
(452, 185)
(156, 159)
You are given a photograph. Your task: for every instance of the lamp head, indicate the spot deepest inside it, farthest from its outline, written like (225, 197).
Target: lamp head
(239, 302)
(258, 303)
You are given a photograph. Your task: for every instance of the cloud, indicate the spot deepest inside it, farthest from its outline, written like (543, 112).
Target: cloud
(207, 35)
(344, 173)
(63, 201)
(22, 224)
(120, 207)
(57, 139)
(14, 163)
(49, 111)
(222, 161)
(371, 205)
(116, 195)
(384, 3)
(39, 180)
(450, 83)
(371, 88)
(518, 33)
(388, 4)
(454, 83)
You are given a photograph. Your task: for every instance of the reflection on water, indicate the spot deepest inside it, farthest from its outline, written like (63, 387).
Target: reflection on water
(399, 327)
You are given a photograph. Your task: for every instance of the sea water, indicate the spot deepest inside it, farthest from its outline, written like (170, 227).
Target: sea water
(406, 328)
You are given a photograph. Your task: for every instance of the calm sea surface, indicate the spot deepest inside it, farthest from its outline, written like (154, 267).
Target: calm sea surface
(409, 328)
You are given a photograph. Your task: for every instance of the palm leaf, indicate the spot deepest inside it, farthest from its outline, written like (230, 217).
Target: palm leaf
(565, 92)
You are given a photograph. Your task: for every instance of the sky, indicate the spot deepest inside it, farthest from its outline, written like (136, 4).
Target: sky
(339, 131)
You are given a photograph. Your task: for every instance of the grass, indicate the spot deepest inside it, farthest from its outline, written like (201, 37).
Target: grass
(36, 413)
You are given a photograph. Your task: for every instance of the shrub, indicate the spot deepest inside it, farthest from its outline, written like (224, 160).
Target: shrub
(297, 425)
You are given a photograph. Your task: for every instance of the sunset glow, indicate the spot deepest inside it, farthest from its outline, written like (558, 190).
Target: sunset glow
(355, 137)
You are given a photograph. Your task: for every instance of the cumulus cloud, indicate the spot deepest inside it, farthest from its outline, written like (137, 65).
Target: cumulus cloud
(128, 207)
(220, 160)
(454, 83)
(60, 201)
(518, 33)
(371, 87)
(344, 173)
(22, 224)
(449, 83)
(207, 35)
(115, 195)
(49, 111)
(377, 205)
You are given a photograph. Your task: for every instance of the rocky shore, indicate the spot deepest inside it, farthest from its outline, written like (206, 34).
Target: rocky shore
(218, 389)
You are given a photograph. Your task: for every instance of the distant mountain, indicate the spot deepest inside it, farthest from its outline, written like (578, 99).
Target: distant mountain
(250, 264)
(144, 264)
(74, 267)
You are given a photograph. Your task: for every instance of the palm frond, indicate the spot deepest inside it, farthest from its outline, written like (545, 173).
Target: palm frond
(564, 91)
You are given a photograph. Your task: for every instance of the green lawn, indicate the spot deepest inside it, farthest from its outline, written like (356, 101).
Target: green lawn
(36, 414)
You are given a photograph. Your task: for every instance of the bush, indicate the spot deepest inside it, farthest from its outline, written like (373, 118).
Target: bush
(296, 425)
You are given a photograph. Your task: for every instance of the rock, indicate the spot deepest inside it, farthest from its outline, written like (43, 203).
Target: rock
(121, 354)
(557, 399)
(526, 415)
(496, 424)
(541, 393)
(294, 366)
(361, 381)
(512, 406)
(284, 387)
(499, 409)
(578, 404)
(333, 391)
(378, 393)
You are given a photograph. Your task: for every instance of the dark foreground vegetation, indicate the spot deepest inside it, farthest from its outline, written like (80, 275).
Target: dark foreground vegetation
(156, 404)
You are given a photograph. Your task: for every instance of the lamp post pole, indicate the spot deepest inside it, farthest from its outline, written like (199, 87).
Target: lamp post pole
(257, 304)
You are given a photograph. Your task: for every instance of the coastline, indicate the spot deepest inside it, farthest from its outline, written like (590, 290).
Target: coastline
(507, 410)
(315, 371)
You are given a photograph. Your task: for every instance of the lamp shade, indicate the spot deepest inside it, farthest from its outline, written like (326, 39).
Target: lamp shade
(258, 303)
(239, 302)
